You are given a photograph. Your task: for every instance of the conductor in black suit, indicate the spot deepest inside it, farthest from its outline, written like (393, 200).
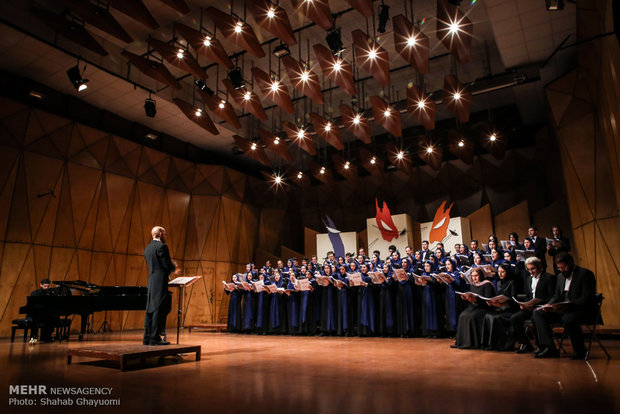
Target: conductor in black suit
(539, 288)
(158, 304)
(577, 287)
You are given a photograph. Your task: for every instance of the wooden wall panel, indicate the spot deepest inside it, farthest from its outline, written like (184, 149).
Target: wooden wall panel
(310, 241)
(515, 219)
(481, 225)
(107, 194)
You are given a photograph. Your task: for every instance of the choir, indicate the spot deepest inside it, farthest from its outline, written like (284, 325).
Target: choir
(472, 294)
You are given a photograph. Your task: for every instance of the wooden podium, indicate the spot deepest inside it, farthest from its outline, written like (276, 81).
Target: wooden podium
(181, 283)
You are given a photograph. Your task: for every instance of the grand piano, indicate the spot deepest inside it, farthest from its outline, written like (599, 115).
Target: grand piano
(83, 298)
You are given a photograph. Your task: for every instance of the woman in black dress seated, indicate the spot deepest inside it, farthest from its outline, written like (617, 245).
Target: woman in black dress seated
(469, 332)
(496, 329)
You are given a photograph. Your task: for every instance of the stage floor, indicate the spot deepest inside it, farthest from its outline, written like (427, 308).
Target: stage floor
(283, 374)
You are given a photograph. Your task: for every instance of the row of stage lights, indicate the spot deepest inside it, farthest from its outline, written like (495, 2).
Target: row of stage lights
(278, 179)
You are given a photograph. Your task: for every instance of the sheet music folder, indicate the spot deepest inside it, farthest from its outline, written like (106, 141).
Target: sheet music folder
(184, 281)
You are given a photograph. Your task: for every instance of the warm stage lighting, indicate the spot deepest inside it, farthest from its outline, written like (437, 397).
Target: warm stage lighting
(236, 77)
(180, 53)
(275, 86)
(198, 112)
(493, 137)
(461, 144)
(277, 179)
(429, 150)
(356, 119)
(456, 96)
(384, 16)
(271, 13)
(453, 28)
(76, 78)
(150, 107)
(322, 171)
(221, 105)
(328, 127)
(411, 41)
(346, 165)
(239, 27)
(387, 112)
(207, 41)
(276, 141)
(373, 160)
(421, 104)
(337, 66)
(299, 175)
(400, 155)
(372, 54)
(334, 41)
(305, 76)
(253, 147)
(300, 133)
(247, 96)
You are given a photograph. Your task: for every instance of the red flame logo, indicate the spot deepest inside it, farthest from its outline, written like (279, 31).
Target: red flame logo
(385, 223)
(439, 230)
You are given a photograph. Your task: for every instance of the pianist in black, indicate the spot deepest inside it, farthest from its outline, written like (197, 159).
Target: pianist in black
(158, 304)
(42, 320)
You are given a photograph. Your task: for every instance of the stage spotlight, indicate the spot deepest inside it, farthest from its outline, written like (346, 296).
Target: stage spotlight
(301, 133)
(198, 112)
(221, 104)
(236, 77)
(201, 85)
(247, 96)
(76, 78)
(281, 50)
(305, 76)
(275, 86)
(461, 144)
(411, 41)
(276, 141)
(150, 107)
(372, 54)
(277, 179)
(356, 119)
(271, 13)
(493, 137)
(386, 113)
(299, 175)
(421, 104)
(180, 53)
(384, 16)
(253, 146)
(334, 40)
(207, 41)
(429, 150)
(337, 66)
(400, 155)
(456, 96)
(373, 160)
(238, 27)
(322, 171)
(555, 5)
(328, 127)
(347, 165)
(455, 2)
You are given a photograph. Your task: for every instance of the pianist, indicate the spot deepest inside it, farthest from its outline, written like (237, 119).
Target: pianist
(42, 320)
(158, 304)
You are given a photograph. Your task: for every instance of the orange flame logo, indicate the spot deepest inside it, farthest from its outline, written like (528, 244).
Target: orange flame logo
(439, 230)
(385, 223)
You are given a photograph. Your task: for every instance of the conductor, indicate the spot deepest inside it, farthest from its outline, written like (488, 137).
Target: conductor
(158, 304)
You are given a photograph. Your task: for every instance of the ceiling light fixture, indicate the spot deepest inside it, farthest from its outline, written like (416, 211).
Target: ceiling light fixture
(253, 146)
(236, 77)
(202, 85)
(429, 150)
(456, 96)
(150, 107)
(281, 50)
(76, 79)
(328, 127)
(301, 133)
(461, 144)
(275, 86)
(180, 53)
(337, 66)
(356, 119)
(207, 41)
(421, 104)
(372, 54)
(400, 155)
(334, 41)
(322, 171)
(554, 5)
(305, 76)
(277, 179)
(493, 137)
(239, 27)
(347, 165)
(299, 175)
(247, 96)
(454, 27)
(411, 41)
(373, 160)
(198, 112)
(384, 16)
(386, 113)
(271, 13)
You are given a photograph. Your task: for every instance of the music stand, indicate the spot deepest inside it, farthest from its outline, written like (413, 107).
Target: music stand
(181, 283)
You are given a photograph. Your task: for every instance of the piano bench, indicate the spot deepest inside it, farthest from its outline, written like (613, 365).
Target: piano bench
(24, 324)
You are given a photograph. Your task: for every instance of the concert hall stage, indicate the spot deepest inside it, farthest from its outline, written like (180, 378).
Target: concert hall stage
(283, 374)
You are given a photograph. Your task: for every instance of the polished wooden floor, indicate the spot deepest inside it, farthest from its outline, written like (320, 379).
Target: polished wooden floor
(285, 374)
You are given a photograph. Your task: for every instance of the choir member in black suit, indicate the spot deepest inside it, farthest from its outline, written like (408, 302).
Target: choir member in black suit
(576, 289)
(158, 302)
(560, 244)
(469, 332)
(425, 252)
(539, 287)
(539, 245)
(496, 330)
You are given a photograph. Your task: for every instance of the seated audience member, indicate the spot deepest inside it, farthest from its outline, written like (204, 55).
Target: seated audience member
(539, 287)
(469, 330)
(573, 302)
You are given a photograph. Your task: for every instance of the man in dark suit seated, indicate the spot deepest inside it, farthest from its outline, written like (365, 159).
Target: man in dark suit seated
(539, 288)
(573, 302)
(160, 265)
(44, 321)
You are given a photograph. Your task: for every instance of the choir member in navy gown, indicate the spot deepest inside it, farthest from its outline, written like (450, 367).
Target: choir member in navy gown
(366, 299)
(431, 324)
(292, 307)
(263, 303)
(346, 320)
(405, 317)
(277, 310)
(496, 329)
(469, 331)
(234, 308)
(386, 303)
(453, 304)
(307, 321)
(329, 299)
(249, 301)
(440, 257)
